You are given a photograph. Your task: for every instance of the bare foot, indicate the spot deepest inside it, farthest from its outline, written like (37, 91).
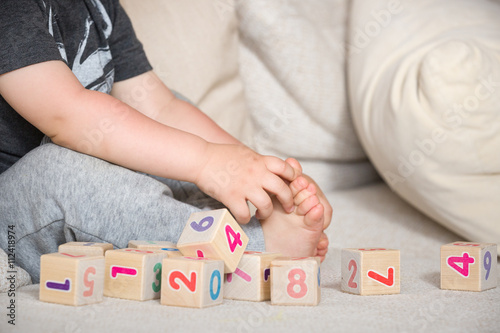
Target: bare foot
(298, 234)
(300, 185)
(307, 195)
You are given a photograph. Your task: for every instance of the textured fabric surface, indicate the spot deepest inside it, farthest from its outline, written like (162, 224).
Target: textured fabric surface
(424, 79)
(369, 216)
(193, 47)
(293, 67)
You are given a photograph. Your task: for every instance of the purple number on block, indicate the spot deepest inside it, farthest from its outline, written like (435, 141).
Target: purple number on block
(487, 264)
(204, 224)
(66, 286)
(267, 272)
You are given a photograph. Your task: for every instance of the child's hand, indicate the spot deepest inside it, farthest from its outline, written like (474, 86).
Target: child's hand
(233, 174)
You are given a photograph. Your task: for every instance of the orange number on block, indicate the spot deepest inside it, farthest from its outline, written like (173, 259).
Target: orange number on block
(297, 282)
(189, 283)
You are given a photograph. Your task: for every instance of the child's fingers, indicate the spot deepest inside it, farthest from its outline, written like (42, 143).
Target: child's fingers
(240, 211)
(262, 201)
(281, 168)
(275, 185)
(294, 164)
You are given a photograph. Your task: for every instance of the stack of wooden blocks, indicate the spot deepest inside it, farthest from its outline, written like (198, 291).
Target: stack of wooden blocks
(208, 263)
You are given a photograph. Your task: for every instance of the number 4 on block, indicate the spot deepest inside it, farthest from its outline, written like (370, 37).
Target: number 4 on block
(468, 266)
(214, 234)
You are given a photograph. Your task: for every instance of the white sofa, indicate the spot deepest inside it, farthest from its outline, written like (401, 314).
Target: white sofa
(359, 91)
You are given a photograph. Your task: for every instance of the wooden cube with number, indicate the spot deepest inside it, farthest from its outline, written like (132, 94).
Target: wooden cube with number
(251, 281)
(71, 279)
(214, 234)
(370, 271)
(87, 248)
(192, 282)
(295, 281)
(468, 266)
(133, 274)
(170, 247)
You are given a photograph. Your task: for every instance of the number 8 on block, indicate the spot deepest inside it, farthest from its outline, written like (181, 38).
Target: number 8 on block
(214, 234)
(295, 281)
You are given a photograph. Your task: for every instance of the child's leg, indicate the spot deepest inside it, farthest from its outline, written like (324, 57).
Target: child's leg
(54, 195)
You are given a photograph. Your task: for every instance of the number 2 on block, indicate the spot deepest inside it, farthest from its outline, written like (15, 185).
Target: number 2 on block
(233, 238)
(354, 266)
(189, 283)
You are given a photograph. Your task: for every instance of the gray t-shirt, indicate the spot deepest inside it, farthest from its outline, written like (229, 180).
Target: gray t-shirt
(93, 37)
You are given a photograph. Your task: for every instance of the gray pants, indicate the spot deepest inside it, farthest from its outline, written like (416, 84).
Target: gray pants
(54, 195)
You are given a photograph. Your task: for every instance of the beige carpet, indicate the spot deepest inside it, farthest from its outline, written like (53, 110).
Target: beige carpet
(368, 216)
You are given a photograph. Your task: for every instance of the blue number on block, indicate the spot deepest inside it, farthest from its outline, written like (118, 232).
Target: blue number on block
(215, 295)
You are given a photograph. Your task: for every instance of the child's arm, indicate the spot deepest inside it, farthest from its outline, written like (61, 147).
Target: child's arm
(149, 95)
(50, 97)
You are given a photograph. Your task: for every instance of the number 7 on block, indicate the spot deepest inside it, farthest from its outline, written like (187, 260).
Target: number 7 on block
(370, 271)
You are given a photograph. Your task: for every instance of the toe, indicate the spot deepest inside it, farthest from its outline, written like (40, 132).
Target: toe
(298, 185)
(314, 217)
(308, 204)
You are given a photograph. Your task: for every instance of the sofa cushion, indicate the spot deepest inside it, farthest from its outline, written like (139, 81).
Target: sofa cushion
(293, 69)
(424, 79)
(193, 47)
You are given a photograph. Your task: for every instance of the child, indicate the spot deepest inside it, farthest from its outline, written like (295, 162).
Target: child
(68, 69)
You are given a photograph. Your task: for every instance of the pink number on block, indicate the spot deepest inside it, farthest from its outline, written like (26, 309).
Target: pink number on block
(296, 282)
(351, 283)
(466, 244)
(190, 284)
(372, 249)
(138, 251)
(88, 283)
(73, 256)
(387, 281)
(242, 275)
(115, 270)
(465, 259)
(233, 238)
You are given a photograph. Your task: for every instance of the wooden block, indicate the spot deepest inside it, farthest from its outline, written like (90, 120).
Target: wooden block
(71, 279)
(192, 282)
(133, 274)
(370, 271)
(214, 234)
(87, 248)
(469, 266)
(295, 281)
(251, 281)
(170, 247)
